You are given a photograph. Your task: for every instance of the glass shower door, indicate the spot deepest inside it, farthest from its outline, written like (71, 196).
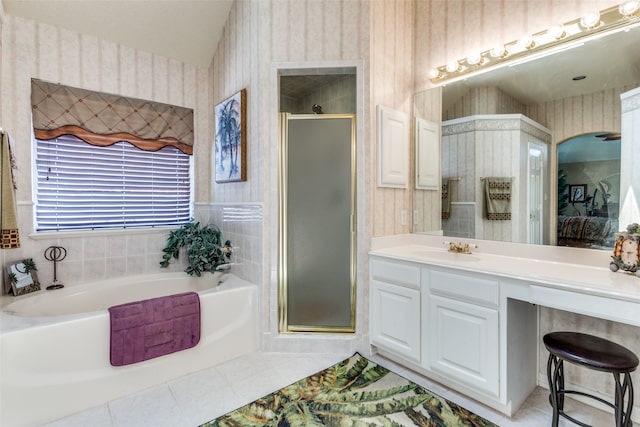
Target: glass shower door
(317, 230)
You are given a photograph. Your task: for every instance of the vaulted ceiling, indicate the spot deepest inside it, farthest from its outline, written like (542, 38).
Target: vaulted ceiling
(187, 30)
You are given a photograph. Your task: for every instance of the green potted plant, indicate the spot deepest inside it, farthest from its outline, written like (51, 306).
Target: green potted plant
(202, 246)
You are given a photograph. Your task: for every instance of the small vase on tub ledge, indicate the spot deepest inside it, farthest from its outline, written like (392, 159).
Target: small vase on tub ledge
(202, 245)
(626, 250)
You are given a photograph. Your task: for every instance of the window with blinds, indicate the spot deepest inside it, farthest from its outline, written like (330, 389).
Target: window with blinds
(86, 187)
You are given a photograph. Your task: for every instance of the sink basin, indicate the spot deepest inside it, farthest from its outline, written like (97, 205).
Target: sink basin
(446, 256)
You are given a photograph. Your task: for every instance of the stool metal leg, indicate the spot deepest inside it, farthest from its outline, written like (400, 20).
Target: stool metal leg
(622, 415)
(555, 376)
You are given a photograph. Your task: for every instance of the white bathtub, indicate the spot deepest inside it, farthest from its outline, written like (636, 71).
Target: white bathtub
(54, 345)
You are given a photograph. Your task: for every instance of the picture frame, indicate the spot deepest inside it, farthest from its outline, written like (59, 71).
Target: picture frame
(230, 149)
(21, 276)
(577, 193)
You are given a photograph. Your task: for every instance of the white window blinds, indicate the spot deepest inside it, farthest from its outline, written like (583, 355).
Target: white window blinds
(81, 186)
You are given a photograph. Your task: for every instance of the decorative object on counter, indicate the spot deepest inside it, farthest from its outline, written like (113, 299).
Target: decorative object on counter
(22, 277)
(10, 238)
(55, 254)
(231, 138)
(497, 198)
(626, 250)
(203, 248)
(355, 391)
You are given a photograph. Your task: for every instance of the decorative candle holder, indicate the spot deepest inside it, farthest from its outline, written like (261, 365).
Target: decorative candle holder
(55, 254)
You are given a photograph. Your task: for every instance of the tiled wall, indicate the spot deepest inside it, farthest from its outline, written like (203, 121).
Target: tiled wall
(242, 224)
(32, 49)
(462, 220)
(336, 98)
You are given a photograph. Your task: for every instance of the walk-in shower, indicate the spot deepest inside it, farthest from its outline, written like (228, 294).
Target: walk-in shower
(317, 223)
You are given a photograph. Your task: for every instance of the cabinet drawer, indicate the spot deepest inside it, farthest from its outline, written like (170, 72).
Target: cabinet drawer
(464, 287)
(396, 272)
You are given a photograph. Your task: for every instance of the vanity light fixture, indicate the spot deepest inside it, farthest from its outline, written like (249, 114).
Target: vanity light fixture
(593, 24)
(629, 8)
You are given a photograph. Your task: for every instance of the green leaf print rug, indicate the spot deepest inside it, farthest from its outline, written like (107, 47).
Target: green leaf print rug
(355, 392)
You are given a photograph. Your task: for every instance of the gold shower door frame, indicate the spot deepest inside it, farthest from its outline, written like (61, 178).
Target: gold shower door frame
(283, 285)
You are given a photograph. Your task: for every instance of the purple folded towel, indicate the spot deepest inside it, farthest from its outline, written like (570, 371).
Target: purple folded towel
(146, 329)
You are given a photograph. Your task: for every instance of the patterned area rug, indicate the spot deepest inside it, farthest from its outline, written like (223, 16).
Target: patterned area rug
(355, 392)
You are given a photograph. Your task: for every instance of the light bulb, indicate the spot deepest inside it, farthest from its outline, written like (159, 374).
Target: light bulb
(474, 59)
(498, 52)
(526, 42)
(434, 73)
(590, 20)
(628, 8)
(557, 31)
(453, 66)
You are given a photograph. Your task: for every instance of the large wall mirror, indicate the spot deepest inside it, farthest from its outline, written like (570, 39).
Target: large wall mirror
(542, 135)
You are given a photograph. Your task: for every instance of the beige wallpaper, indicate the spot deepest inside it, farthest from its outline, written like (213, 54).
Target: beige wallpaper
(31, 49)
(289, 34)
(392, 44)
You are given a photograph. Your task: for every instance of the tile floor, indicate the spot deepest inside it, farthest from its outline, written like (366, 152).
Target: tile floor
(196, 398)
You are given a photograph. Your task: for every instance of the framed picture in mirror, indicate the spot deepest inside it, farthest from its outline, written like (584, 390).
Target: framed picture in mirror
(577, 192)
(21, 276)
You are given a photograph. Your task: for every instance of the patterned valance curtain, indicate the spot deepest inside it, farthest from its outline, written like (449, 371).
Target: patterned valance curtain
(104, 119)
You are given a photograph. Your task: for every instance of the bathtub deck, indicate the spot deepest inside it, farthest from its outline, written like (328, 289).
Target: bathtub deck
(197, 398)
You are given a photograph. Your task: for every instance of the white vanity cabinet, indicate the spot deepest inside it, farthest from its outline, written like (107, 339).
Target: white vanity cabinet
(395, 308)
(462, 328)
(440, 321)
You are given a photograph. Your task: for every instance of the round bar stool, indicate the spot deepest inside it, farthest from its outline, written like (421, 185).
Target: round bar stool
(594, 353)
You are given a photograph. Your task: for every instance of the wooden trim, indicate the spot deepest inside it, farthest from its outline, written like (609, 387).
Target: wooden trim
(106, 140)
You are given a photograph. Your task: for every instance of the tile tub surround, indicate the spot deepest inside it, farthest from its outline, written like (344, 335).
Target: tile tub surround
(572, 288)
(199, 397)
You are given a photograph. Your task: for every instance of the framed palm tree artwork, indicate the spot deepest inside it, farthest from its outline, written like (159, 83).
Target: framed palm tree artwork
(21, 276)
(231, 138)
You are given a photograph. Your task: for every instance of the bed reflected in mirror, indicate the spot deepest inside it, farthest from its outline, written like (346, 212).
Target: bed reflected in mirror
(589, 190)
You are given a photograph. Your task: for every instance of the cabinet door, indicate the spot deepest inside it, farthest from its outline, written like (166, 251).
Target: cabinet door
(395, 319)
(427, 155)
(393, 148)
(463, 342)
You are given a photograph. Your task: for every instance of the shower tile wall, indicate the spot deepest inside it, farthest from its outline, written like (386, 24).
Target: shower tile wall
(242, 224)
(336, 98)
(461, 222)
(33, 49)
